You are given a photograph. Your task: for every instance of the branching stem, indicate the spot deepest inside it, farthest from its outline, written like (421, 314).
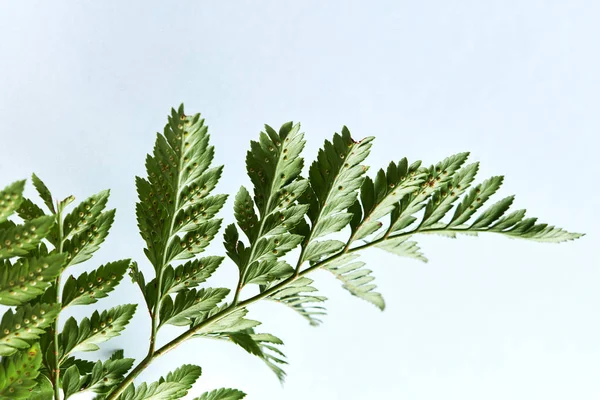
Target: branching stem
(56, 372)
(234, 307)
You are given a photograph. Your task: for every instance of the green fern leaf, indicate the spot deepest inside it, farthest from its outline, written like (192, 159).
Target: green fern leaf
(185, 375)
(436, 178)
(100, 377)
(296, 296)
(188, 304)
(274, 165)
(82, 245)
(230, 322)
(28, 278)
(190, 274)
(106, 374)
(90, 332)
(474, 200)
(334, 177)
(20, 329)
(403, 247)
(174, 386)
(43, 192)
(267, 271)
(356, 279)
(71, 381)
(442, 199)
(174, 197)
(443, 186)
(194, 241)
(18, 373)
(89, 287)
(28, 210)
(43, 389)
(262, 345)
(222, 394)
(84, 366)
(189, 219)
(378, 197)
(85, 214)
(315, 251)
(18, 240)
(10, 199)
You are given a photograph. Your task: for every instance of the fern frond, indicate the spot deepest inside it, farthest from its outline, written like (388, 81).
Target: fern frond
(189, 275)
(228, 323)
(174, 386)
(356, 279)
(90, 332)
(28, 210)
(44, 193)
(378, 197)
(334, 177)
(85, 214)
(402, 247)
(11, 198)
(100, 378)
(262, 345)
(188, 304)
(28, 277)
(274, 165)
(89, 287)
(82, 245)
(18, 373)
(296, 295)
(20, 329)
(222, 394)
(18, 240)
(174, 198)
(443, 186)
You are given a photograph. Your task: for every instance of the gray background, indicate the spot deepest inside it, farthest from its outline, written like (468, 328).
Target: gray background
(84, 86)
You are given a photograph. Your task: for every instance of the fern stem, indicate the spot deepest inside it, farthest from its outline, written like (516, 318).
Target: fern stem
(234, 307)
(57, 361)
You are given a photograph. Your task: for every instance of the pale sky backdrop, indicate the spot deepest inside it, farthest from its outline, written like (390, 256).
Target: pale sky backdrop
(84, 87)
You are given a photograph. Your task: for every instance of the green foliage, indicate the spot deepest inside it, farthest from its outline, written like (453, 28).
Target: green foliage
(82, 245)
(10, 199)
(378, 197)
(262, 345)
(20, 329)
(188, 304)
(18, 240)
(100, 378)
(356, 279)
(174, 199)
(28, 278)
(290, 226)
(89, 287)
(174, 386)
(18, 373)
(402, 247)
(335, 177)
(268, 218)
(222, 394)
(90, 332)
(298, 296)
(44, 193)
